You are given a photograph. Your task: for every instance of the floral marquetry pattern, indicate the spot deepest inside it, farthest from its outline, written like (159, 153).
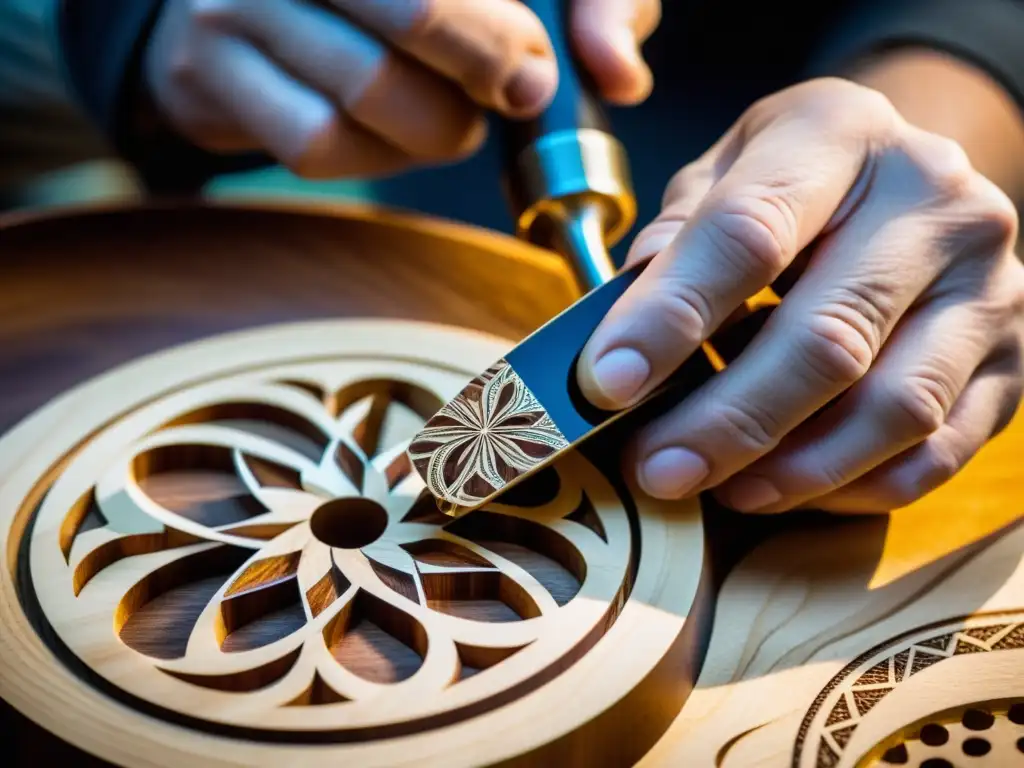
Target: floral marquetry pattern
(494, 432)
(850, 696)
(265, 533)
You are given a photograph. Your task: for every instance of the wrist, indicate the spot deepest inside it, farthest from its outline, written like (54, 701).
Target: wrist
(951, 97)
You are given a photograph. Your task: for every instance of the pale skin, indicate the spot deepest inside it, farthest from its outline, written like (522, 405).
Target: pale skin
(365, 88)
(906, 314)
(882, 199)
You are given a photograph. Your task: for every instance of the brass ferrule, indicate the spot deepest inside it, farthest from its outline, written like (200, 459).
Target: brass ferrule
(574, 169)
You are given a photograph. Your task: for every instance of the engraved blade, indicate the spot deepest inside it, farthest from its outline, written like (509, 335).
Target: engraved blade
(493, 434)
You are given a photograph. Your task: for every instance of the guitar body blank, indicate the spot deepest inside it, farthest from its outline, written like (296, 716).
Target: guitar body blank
(215, 552)
(218, 554)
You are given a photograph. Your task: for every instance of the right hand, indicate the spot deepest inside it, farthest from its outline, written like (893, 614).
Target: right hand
(334, 88)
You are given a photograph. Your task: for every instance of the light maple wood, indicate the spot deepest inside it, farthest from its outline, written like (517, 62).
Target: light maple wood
(839, 641)
(313, 419)
(818, 606)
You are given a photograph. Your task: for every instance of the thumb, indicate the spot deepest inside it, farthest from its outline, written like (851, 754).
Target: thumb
(607, 35)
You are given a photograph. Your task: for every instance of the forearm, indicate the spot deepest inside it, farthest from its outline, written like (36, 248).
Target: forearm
(946, 95)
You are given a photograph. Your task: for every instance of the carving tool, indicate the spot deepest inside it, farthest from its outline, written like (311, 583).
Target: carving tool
(568, 183)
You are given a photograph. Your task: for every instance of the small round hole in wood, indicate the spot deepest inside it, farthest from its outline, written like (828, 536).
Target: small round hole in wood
(348, 523)
(976, 747)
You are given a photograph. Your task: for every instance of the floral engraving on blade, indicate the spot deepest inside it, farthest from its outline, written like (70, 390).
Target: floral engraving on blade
(494, 432)
(272, 539)
(848, 698)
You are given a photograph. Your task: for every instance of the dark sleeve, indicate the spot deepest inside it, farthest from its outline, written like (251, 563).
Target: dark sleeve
(986, 33)
(102, 44)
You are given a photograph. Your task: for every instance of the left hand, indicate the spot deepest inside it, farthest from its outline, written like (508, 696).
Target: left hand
(327, 88)
(906, 314)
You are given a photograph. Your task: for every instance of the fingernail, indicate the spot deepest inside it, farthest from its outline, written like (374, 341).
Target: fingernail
(620, 374)
(672, 472)
(533, 85)
(748, 493)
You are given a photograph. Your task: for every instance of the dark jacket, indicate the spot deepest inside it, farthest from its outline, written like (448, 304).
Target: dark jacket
(711, 59)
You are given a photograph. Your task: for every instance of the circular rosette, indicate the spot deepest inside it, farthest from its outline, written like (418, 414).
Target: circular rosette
(928, 675)
(269, 560)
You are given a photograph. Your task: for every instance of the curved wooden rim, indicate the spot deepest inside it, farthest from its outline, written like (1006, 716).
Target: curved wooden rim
(402, 219)
(655, 625)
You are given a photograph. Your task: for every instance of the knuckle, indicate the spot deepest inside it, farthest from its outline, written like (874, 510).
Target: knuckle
(751, 428)
(833, 477)
(837, 346)
(995, 222)
(920, 405)
(943, 163)
(683, 181)
(683, 309)
(756, 234)
(936, 465)
(482, 61)
(843, 107)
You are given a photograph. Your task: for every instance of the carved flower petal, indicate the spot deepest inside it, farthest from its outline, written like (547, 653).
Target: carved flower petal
(320, 581)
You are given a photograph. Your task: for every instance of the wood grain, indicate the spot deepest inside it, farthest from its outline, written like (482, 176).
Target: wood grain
(88, 290)
(192, 481)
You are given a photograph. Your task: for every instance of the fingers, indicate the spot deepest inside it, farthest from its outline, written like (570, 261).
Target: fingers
(497, 50)
(369, 82)
(607, 35)
(906, 397)
(823, 339)
(764, 210)
(295, 124)
(986, 406)
(683, 194)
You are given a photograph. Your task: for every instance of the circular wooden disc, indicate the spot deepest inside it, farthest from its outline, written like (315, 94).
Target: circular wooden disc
(217, 554)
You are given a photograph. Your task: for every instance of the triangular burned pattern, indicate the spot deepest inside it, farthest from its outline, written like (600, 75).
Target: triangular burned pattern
(1011, 640)
(963, 646)
(865, 700)
(840, 712)
(827, 756)
(941, 642)
(922, 660)
(877, 675)
(984, 633)
(841, 736)
(899, 662)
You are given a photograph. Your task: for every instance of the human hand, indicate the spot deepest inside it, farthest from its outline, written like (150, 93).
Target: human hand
(905, 313)
(336, 88)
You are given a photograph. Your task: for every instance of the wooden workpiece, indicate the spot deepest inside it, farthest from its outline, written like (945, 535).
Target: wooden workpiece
(216, 553)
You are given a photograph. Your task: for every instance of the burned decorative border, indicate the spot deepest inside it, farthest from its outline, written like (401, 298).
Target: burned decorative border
(874, 674)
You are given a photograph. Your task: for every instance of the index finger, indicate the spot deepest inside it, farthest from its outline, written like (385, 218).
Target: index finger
(790, 181)
(497, 50)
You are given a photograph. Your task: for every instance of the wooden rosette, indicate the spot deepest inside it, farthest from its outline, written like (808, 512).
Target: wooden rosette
(216, 552)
